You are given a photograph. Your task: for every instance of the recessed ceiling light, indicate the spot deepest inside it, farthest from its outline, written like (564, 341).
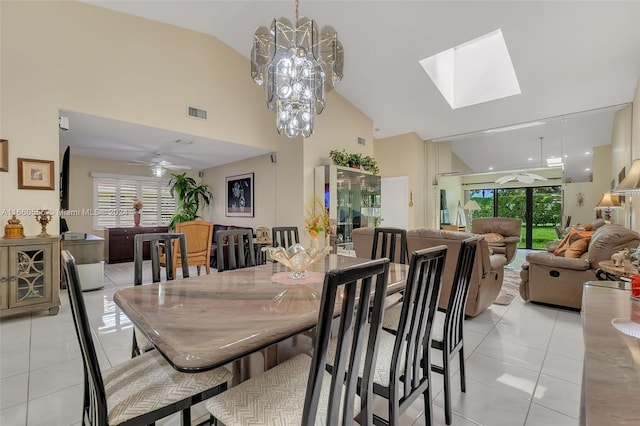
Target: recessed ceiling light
(587, 153)
(587, 169)
(474, 72)
(529, 159)
(491, 168)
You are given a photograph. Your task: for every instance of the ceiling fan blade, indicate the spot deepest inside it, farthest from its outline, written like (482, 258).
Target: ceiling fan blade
(505, 179)
(537, 177)
(176, 167)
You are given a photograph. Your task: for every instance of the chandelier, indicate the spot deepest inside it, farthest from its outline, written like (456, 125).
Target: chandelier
(297, 66)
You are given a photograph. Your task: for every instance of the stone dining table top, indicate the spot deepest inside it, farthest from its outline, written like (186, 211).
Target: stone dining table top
(204, 322)
(611, 375)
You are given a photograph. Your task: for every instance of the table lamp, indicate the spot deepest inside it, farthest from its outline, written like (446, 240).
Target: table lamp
(470, 207)
(607, 203)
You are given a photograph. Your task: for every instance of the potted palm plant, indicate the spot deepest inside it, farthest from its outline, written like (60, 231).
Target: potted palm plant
(190, 195)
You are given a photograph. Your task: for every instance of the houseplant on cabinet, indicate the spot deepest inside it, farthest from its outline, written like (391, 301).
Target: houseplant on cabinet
(190, 194)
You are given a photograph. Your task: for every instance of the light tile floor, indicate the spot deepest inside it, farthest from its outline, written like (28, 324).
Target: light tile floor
(523, 361)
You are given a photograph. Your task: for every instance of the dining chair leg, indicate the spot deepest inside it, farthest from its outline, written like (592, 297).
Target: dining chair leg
(186, 417)
(447, 389)
(428, 412)
(463, 380)
(198, 269)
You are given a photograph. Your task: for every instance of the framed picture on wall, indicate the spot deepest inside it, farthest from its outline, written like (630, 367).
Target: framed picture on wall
(4, 155)
(35, 174)
(239, 190)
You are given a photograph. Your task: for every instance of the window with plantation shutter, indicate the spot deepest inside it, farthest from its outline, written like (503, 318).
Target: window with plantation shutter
(114, 195)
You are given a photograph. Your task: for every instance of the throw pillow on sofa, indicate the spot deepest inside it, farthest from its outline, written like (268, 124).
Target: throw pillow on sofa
(493, 237)
(574, 244)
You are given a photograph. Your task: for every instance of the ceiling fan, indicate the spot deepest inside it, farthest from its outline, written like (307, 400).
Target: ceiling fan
(159, 166)
(520, 177)
(523, 177)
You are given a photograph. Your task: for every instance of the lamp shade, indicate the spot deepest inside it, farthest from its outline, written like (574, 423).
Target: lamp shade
(608, 202)
(631, 183)
(471, 205)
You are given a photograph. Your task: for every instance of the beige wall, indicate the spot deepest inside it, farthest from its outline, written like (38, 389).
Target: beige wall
(404, 156)
(75, 56)
(70, 55)
(591, 191)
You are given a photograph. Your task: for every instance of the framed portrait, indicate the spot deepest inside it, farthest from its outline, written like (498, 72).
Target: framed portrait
(4, 155)
(35, 174)
(239, 192)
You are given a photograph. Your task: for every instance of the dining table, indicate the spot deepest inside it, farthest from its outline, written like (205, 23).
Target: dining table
(201, 323)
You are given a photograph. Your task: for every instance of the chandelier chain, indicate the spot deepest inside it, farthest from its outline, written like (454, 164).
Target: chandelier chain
(297, 11)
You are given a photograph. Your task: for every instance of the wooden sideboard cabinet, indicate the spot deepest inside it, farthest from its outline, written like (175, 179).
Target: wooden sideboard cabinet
(29, 275)
(120, 242)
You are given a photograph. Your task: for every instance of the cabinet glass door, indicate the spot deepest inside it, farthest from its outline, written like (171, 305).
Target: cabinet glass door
(353, 199)
(29, 275)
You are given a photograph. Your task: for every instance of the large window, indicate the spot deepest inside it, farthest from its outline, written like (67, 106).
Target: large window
(540, 209)
(113, 201)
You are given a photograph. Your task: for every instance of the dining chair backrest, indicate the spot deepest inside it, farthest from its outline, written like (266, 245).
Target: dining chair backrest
(237, 245)
(412, 348)
(449, 339)
(385, 242)
(284, 236)
(154, 240)
(340, 287)
(95, 399)
(454, 318)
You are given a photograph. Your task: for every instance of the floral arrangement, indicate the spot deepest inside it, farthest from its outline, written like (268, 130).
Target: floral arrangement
(317, 218)
(137, 204)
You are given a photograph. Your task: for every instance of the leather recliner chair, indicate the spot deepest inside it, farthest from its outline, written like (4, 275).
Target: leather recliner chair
(557, 280)
(510, 229)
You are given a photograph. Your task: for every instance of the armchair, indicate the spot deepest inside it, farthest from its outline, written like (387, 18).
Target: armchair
(558, 280)
(505, 232)
(198, 235)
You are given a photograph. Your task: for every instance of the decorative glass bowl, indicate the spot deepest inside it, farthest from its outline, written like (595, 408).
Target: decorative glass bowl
(297, 258)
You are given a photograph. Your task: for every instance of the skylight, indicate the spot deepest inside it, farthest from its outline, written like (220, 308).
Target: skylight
(474, 72)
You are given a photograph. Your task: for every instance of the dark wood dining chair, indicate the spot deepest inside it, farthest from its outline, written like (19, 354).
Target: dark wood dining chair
(447, 335)
(448, 331)
(284, 236)
(235, 249)
(400, 375)
(385, 244)
(140, 342)
(300, 391)
(141, 390)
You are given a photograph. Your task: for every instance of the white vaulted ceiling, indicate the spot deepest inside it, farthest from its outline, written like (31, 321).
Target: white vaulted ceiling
(569, 56)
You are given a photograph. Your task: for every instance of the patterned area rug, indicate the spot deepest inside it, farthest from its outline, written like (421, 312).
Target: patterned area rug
(510, 287)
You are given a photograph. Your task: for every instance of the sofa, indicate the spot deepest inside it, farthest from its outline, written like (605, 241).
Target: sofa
(502, 234)
(213, 258)
(553, 278)
(487, 274)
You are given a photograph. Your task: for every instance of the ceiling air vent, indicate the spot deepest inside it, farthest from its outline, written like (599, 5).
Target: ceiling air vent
(197, 113)
(361, 141)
